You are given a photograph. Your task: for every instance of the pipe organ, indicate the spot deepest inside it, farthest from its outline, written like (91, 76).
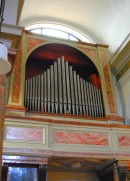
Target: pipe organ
(60, 89)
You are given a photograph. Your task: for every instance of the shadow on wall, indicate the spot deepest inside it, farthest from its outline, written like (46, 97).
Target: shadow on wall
(127, 116)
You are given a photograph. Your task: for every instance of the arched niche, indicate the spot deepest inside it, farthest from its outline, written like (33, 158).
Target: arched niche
(43, 57)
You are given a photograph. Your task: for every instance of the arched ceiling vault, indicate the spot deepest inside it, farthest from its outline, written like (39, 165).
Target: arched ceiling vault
(106, 22)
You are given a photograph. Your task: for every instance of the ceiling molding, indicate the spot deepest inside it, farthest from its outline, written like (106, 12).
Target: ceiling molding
(20, 7)
(124, 79)
(123, 70)
(121, 57)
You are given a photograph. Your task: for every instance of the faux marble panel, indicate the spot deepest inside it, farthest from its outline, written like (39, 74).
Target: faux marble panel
(32, 42)
(124, 140)
(80, 138)
(90, 52)
(17, 74)
(107, 80)
(21, 133)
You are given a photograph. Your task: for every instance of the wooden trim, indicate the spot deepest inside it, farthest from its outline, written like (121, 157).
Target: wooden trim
(68, 116)
(14, 108)
(68, 122)
(24, 159)
(51, 121)
(115, 118)
(119, 126)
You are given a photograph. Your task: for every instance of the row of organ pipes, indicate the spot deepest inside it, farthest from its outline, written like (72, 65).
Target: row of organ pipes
(60, 89)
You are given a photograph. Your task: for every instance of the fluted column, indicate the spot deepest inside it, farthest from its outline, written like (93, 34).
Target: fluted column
(2, 112)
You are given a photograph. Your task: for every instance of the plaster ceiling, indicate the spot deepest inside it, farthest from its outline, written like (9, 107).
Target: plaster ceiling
(104, 21)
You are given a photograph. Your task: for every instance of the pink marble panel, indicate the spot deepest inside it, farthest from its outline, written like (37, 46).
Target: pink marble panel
(124, 140)
(20, 133)
(80, 138)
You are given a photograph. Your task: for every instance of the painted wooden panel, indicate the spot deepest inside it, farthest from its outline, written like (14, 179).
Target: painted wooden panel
(80, 138)
(21, 133)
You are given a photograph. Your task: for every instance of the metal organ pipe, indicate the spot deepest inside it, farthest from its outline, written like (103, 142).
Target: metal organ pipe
(45, 92)
(68, 87)
(72, 92)
(64, 89)
(60, 89)
(55, 87)
(52, 88)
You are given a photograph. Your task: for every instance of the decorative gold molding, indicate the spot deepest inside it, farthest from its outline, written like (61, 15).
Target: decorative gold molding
(118, 56)
(123, 71)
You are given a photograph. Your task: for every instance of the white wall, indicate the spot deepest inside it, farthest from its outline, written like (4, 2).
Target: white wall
(117, 95)
(124, 91)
